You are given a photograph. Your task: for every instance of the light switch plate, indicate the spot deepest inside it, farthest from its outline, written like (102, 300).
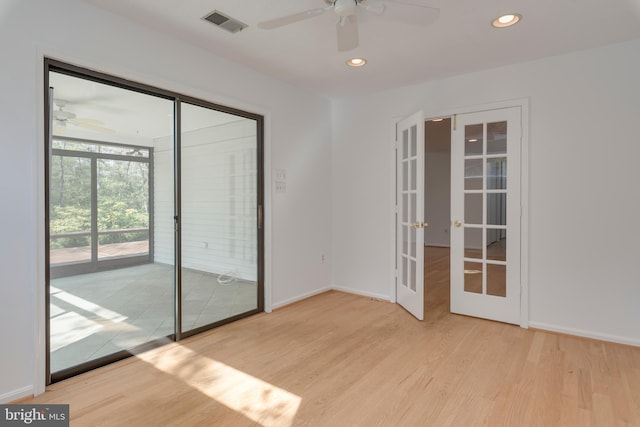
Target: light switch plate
(281, 180)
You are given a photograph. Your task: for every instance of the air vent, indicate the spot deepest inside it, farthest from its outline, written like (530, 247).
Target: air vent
(223, 21)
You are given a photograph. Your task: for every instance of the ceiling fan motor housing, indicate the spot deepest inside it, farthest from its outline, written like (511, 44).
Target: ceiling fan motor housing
(345, 8)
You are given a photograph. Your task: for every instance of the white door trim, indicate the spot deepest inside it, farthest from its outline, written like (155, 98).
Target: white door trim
(523, 103)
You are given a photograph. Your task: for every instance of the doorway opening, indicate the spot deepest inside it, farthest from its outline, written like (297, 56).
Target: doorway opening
(437, 210)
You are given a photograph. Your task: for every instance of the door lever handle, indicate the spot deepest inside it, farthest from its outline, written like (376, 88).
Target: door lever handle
(417, 225)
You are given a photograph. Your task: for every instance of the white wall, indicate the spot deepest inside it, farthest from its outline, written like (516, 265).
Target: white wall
(437, 201)
(298, 134)
(219, 202)
(584, 184)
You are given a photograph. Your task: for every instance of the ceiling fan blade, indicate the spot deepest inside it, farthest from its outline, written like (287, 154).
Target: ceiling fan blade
(347, 33)
(411, 12)
(290, 19)
(87, 124)
(374, 6)
(83, 120)
(418, 3)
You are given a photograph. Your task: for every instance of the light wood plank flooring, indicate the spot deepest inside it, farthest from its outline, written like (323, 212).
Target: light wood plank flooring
(344, 360)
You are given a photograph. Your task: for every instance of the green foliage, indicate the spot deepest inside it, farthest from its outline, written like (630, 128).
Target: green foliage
(66, 219)
(123, 199)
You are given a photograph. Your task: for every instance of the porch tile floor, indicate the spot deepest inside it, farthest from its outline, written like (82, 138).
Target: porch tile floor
(94, 315)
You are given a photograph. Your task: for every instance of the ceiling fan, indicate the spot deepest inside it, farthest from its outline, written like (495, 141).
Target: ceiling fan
(413, 12)
(63, 117)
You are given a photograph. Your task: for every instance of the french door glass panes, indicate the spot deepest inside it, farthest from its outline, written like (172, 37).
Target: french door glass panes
(485, 236)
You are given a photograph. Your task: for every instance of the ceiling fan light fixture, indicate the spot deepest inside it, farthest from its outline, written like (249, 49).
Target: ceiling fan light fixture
(356, 62)
(506, 20)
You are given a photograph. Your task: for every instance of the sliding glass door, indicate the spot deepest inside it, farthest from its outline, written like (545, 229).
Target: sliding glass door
(111, 287)
(153, 217)
(220, 215)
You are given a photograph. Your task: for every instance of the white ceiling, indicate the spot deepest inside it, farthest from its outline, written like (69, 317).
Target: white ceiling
(120, 115)
(460, 41)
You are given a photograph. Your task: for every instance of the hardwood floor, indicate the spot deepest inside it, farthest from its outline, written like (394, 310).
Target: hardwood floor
(344, 360)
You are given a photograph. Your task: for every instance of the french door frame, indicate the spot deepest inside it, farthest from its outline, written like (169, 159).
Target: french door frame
(43, 337)
(430, 113)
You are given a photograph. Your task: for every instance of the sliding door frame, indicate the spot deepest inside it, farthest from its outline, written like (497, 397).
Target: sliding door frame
(54, 65)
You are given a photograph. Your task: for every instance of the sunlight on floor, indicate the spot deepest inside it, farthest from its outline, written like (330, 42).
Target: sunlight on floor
(82, 303)
(258, 400)
(69, 328)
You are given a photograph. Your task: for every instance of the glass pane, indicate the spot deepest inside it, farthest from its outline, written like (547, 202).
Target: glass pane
(405, 144)
(412, 242)
(412, 286)
(473, 208)
(405, 272)
(497, 209)
(497, 138)
(497, 174)
(123, 208)
(61, 143)
(414, 174)
(473, 243)
(497, 280)
(412, 208)
(69, 210)
(405, 176)
(473, 140)
(496, 244)
(405, 207)
(219, 216)
(414, 141)
(473, 277)
(117, 301)
(473, 174)
(405, 240)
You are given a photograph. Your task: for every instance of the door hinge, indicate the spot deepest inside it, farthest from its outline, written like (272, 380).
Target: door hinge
(455, 122)
(260, 217)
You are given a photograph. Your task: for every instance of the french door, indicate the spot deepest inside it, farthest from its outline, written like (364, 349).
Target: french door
(485, 210)
(410, 223)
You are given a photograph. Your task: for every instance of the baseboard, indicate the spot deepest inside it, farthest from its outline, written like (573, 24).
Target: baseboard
(330, 288)
(361, 293)
(14, 395)
(300, 297)
(585, 334)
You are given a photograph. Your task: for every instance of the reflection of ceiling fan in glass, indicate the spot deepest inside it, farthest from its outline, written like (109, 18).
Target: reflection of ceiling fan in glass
(62, 118)
(413, 12)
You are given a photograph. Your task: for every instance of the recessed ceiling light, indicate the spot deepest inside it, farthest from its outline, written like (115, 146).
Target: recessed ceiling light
(356, 62)
(506, 20)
